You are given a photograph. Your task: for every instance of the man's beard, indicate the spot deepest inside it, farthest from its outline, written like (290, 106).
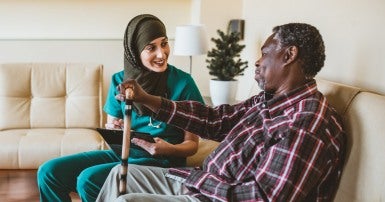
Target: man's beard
(261, 84)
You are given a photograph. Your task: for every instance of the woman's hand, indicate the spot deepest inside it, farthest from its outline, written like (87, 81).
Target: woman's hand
(184, 149)
(160, 147)
(114, 123)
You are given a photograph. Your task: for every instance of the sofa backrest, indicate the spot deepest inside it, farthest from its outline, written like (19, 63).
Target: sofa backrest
(363, 178)
(50, 95)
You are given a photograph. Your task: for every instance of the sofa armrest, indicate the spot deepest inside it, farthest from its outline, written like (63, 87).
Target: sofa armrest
(204, 149)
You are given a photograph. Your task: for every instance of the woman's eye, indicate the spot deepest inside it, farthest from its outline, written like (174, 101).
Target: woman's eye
(164, 43)
(149, 48)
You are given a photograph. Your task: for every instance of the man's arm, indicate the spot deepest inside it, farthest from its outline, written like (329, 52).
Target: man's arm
(288, 171)
(195, 117)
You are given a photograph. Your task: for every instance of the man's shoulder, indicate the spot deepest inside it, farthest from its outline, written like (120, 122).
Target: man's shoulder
(316, 103)
(317, 110)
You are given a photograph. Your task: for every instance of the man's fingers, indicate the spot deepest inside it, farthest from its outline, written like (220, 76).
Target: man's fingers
(130, 93)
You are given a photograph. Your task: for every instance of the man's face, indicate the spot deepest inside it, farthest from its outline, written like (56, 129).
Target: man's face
(269, 72)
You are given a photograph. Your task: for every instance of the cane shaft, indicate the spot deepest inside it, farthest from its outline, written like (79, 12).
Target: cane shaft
(125, 145)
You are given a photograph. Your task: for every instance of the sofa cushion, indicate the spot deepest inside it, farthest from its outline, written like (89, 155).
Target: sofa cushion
(48, 110)
(50, 95)
(204, 149)
(28, 148)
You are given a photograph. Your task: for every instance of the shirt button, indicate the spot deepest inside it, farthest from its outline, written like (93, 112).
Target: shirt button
(263, 105)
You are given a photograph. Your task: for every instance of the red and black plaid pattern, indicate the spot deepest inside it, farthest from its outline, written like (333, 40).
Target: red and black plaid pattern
(285, 148)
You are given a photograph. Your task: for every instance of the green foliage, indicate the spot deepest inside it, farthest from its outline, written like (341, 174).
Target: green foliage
(224, 61)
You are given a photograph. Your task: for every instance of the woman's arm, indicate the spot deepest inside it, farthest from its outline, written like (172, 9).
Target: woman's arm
(188, 147)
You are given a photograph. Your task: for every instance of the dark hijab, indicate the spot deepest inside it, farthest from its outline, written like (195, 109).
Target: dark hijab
(140, 31)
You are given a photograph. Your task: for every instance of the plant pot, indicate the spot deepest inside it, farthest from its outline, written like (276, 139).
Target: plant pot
(223, 92)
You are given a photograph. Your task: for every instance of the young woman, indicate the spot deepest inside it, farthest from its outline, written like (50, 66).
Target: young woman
(146, 52)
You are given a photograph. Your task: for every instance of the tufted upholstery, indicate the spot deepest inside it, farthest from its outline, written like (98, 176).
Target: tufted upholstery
(48, 110)
(363, 178)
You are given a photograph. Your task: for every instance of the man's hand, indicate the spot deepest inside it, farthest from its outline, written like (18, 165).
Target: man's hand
(137, 94)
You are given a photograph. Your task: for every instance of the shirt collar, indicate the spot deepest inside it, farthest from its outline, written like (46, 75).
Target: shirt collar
(285, 100)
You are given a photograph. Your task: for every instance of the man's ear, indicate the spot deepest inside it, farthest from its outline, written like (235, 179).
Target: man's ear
(291, 54)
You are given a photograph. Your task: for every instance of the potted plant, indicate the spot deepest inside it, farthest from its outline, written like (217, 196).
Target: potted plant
(224, 64)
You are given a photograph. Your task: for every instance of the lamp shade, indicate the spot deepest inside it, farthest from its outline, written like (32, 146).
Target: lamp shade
(190, 40)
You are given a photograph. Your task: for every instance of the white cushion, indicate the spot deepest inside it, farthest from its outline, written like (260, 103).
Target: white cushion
(48, 110)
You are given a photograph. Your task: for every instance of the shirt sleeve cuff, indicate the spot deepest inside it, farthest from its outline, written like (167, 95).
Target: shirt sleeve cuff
(163, 112)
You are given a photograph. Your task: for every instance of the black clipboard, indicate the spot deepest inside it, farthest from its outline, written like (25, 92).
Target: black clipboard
(114, 138)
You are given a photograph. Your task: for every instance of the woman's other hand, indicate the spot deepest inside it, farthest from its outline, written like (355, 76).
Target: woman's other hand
(114, 123)
(160, 147)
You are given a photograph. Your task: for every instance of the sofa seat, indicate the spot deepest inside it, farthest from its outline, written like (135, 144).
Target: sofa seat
(28, 148)
(48, 110)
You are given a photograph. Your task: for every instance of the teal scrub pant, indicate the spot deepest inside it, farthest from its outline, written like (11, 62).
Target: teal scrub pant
(83, 173)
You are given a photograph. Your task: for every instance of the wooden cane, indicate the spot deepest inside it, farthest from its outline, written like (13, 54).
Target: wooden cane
(126, 143)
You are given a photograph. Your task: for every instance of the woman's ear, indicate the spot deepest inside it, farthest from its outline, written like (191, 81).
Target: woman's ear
(291, 54)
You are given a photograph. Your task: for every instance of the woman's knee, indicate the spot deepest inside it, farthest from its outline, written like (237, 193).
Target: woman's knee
(84, 179)
(92, 178)
(50, 169)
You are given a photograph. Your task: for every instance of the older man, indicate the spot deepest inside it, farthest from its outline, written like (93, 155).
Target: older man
(285, 144)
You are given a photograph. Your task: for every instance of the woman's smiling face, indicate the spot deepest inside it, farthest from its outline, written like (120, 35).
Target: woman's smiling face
(154, 55)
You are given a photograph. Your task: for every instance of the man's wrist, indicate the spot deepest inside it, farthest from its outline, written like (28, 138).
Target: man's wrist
(153, 102)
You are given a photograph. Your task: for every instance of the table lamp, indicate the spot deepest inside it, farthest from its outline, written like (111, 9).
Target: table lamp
(190, 40)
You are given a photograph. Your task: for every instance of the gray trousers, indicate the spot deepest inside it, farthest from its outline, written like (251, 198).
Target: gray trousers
(144, 183)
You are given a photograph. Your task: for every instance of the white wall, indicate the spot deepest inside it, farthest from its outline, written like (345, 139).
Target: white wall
(215, 14)
(91, 31)
(353, 31)
(83, 19)
(78, 31)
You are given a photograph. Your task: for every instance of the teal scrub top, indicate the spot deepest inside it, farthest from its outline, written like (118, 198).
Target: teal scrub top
(180, 86)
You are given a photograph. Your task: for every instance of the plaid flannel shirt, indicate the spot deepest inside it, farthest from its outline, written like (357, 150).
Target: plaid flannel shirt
(287, 148)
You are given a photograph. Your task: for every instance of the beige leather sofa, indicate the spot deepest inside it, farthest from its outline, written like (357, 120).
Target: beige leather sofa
(363, 179)
(48, 110)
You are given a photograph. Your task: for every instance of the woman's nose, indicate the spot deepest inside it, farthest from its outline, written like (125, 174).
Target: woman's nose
(160, 53)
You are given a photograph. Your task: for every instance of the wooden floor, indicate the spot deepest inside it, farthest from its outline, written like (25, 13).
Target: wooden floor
(20, 186)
